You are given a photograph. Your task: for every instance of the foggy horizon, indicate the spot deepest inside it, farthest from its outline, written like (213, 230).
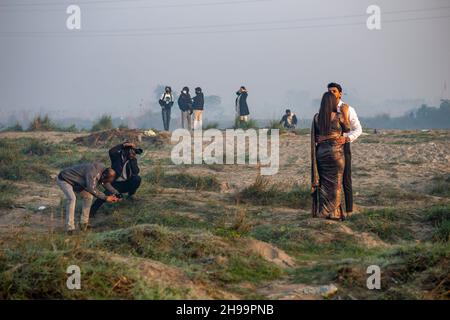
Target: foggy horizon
(285, 52)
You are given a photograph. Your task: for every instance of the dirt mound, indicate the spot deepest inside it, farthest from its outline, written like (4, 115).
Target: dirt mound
(164, 276)
(327, 231)
(365, 238)
(271, 253)
(115, 136)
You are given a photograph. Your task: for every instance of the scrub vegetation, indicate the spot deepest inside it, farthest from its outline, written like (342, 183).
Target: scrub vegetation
(224, 231)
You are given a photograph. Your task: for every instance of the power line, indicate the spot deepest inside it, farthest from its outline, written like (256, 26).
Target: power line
(287, 28)
(262, 22)
(274, 22)
(34, 6)
(241, 24)
(48, 3)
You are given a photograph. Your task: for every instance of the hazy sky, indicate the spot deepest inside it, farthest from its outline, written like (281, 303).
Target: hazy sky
(279, 49)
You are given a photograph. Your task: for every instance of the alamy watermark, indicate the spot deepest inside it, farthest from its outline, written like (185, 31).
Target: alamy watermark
(73, 281)
(374, 19)
(233, 146)
(73, 21)
(374, 280)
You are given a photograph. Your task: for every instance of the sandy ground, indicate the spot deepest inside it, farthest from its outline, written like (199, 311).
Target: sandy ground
(387, 164)
(393, 162)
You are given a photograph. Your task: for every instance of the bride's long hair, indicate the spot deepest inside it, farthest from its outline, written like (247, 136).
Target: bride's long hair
(327, 106)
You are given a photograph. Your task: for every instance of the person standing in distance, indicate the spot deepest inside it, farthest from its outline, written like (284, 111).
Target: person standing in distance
(166, 103)
(241, 105)
(198, 106)
(185, 105)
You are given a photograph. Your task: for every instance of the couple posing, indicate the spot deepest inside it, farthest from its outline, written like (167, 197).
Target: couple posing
(332, 131)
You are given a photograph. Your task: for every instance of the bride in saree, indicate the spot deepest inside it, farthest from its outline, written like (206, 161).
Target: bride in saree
(327, 158)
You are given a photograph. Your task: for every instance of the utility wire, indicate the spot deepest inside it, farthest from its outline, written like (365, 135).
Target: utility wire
(89, 2)
(35, 7)
(287, 28)
(242, 24)
(271, 22)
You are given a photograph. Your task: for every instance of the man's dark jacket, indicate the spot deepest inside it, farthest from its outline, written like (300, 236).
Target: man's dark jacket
(119, 156)
(285, 122)
(199, 101)
(185, 102)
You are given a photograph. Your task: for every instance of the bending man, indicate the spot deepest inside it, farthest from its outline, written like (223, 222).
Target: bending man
(83, 179)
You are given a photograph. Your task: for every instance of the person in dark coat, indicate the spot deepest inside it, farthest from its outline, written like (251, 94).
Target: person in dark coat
(185, 105)
(166, 102)
(241, 105)
(124, 163)
(289, 120)
(198, 104)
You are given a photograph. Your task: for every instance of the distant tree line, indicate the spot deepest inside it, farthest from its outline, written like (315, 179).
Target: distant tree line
(425, 117)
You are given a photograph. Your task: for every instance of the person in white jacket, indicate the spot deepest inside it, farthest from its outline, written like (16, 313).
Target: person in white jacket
(355, 132)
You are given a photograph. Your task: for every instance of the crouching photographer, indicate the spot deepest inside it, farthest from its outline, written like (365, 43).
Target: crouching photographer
(124, 163)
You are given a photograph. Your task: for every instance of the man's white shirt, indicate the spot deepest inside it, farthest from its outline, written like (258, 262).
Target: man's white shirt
(355, 125)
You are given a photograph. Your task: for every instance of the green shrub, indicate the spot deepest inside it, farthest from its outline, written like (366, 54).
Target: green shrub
(440, 217)
(251, 268)
(14, 128)
(442, 232)
(262, 192)
(38, 148)
(440, 186)
(412, 260)
(71, 128)
(275, 124)
(42, 124)
(188, 181)
(304, 131)
(7, 194)
(250, 124)
(157, 242)
(235, 227)
(36, 269)
(385, 223)
(182, 180)
(189, 249)
(211, 125)
(16, 162)
(104, 123)
(438, 214)
(155, 176)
